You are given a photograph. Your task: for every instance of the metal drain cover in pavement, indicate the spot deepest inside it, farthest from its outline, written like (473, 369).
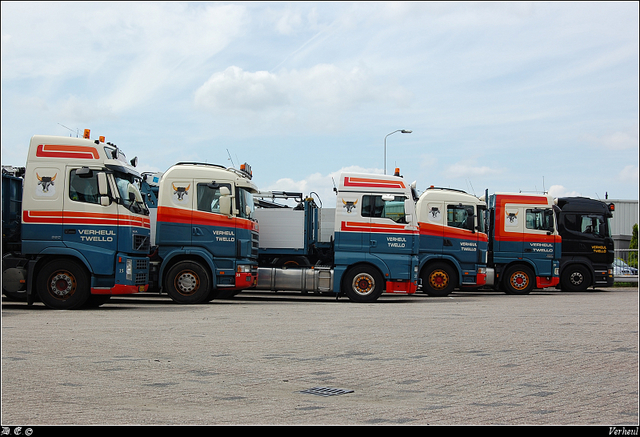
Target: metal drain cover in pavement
(326, 391)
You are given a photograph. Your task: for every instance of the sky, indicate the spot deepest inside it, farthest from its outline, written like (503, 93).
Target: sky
(498, 96)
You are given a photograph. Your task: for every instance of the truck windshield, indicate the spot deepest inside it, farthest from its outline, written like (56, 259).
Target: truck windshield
(129, 192)
(245, 205)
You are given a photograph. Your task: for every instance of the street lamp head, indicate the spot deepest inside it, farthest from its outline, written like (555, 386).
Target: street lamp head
(404, 131)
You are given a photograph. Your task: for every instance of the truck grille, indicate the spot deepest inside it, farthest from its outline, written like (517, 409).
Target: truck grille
(255, 243)
(141, 279)
(142, 264)
(141, 242)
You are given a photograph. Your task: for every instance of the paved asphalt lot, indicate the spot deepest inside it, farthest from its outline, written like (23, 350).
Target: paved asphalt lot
(549, 358)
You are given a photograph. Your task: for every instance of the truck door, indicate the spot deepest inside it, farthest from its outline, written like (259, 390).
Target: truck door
(87, 225)
(388, 233)
(460, 241)
(539, 239)
(589, 234)
(210, 229)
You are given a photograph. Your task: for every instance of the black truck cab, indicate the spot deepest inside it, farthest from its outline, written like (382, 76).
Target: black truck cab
(587, 245)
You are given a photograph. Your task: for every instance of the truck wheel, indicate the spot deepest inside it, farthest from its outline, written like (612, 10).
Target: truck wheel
(518, 280)
(187, 282)
(438, 280)
(575, 278)
(63, 284)
(363, 284)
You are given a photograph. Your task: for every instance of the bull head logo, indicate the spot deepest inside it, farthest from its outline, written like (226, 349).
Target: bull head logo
(512, 217)
(46, 181)
(435, 212)
(180, 191)
(349, 205)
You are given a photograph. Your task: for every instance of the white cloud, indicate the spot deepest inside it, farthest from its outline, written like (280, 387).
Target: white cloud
(127, 53)
(322, 92)
(560, 191)
(235, 89)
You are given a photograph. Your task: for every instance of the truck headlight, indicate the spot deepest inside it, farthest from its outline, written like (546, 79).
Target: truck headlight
(244, 269)
(129, 269)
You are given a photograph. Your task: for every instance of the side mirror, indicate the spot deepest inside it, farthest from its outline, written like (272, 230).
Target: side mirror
(102, 184)
(225, 201)
(103, 190)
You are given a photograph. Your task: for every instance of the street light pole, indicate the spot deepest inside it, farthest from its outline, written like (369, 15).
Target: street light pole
(404, 131)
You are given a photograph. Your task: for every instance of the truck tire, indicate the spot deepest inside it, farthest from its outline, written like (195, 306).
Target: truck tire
(438, 280)
(363, 284)
(13, 277)
(188, 282)
(575, 277)
(518, 279)
(63, 284)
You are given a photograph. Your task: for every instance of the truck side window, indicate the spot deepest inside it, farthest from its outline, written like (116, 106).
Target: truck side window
(83, 189)
(375, 206)
(372, 206)
(593, 225)
(460, 216)
(246, 207)
(482, 217)
(209, 197)
(539, 219)
(571, 222)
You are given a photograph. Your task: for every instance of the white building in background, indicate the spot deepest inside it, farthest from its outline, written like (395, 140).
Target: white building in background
(624, 217)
